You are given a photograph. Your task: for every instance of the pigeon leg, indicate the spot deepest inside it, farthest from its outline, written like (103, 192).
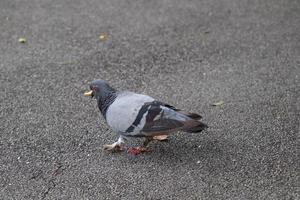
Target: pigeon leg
(117, 146)
(141, 149)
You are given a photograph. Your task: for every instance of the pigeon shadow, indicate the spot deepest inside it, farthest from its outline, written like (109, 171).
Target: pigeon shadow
(191, 152)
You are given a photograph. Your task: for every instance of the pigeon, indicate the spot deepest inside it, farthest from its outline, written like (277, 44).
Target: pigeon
(131, 115)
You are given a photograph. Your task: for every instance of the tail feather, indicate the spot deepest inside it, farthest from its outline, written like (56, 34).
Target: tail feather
(194, 115)
(200, 126)
(193, 125)
(189, 114)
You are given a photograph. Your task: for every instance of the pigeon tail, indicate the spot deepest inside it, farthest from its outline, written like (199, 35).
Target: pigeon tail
(200, 126)
(188, 114)
(191, 115)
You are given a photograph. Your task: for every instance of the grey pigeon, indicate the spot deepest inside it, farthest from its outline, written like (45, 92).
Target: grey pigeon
(136, 115)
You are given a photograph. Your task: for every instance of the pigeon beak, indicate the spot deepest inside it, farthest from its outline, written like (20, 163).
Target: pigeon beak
(89, 94)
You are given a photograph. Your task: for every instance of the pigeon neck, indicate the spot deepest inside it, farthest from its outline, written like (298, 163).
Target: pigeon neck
(105, 101)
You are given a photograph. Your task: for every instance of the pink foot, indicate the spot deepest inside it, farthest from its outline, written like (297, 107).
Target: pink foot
(137, 150)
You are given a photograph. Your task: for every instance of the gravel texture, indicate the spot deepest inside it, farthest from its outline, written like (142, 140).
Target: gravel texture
(190, 54)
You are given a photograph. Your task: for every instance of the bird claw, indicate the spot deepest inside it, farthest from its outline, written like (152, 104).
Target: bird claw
(137, 150)
(114, 148)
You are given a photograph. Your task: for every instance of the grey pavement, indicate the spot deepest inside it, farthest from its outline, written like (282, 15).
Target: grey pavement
(188, 53)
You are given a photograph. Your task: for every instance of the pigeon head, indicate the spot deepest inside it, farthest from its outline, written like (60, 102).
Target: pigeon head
(100, 89)
(104, 94)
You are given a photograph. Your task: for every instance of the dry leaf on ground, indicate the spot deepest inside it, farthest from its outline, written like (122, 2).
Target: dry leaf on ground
(22, 40)
(103, 36)
(160, 137)
(219, 103)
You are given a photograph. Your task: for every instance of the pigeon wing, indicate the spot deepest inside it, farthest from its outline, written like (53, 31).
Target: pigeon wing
(163, 119)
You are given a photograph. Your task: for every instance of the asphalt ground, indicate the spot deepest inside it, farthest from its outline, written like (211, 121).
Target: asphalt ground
(190, 54)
